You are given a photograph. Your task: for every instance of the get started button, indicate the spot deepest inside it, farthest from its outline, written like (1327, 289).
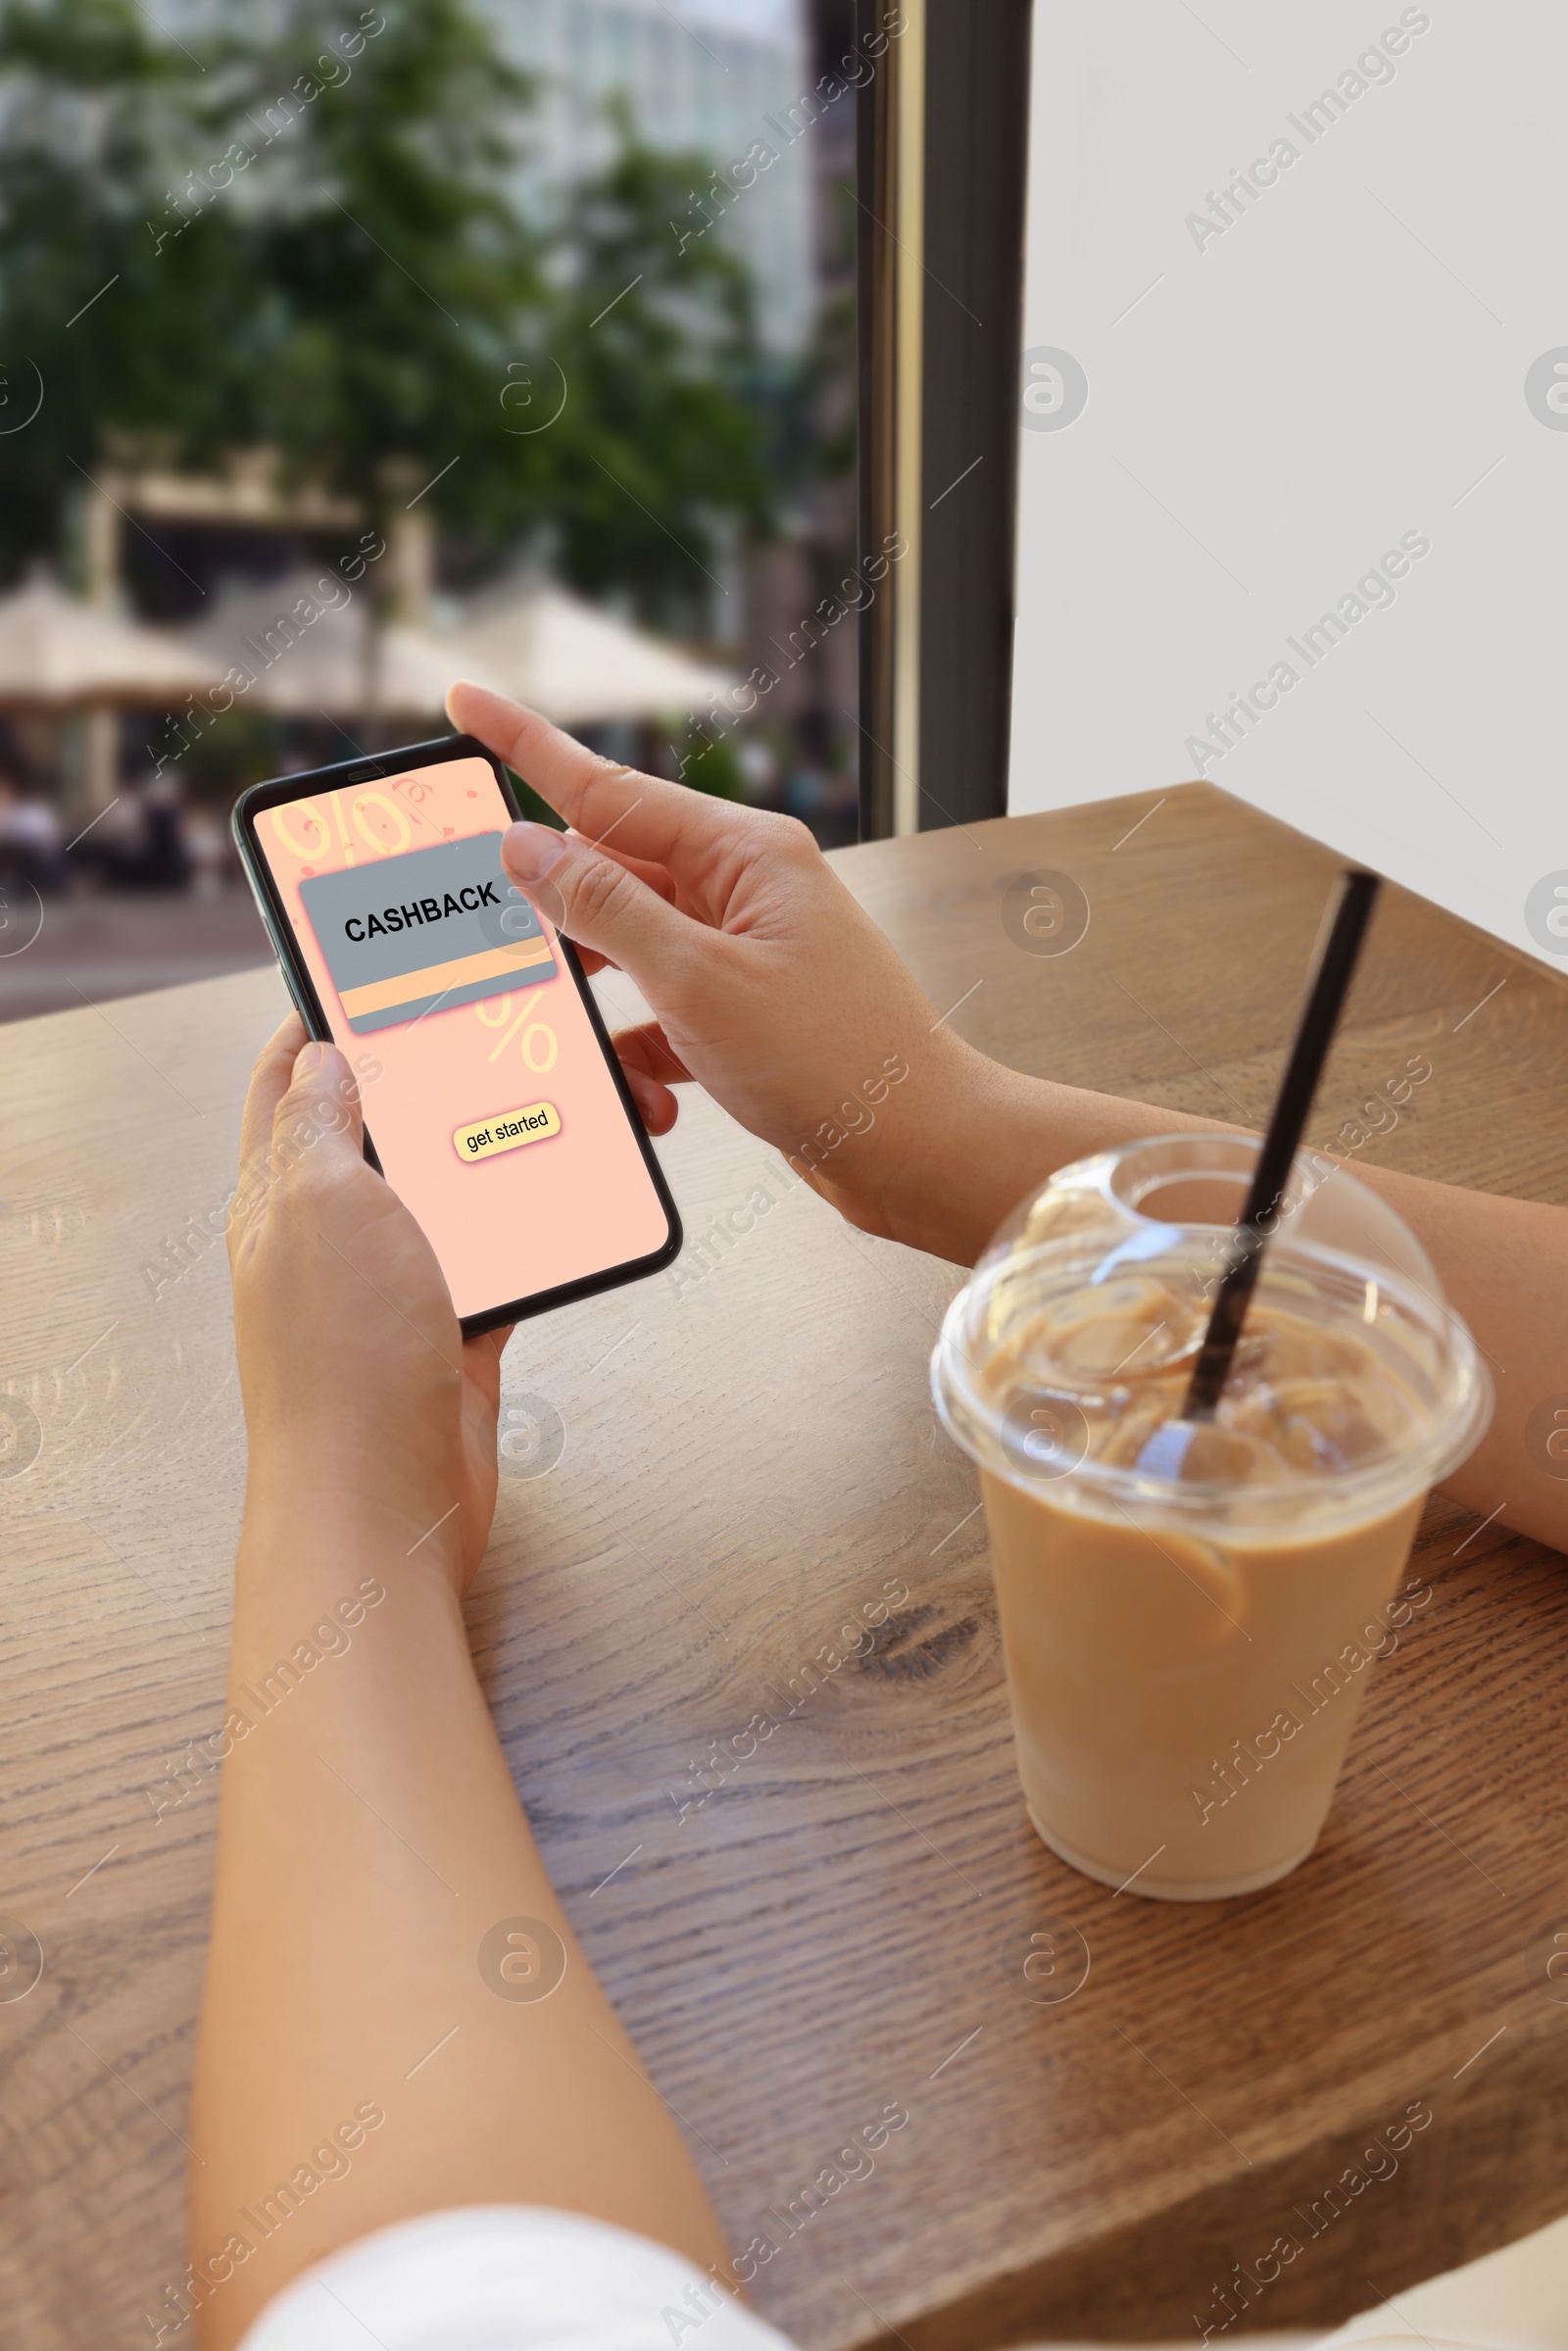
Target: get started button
(508, 1131)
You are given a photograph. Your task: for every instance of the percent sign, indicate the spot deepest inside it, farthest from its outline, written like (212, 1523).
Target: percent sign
(498, 1018)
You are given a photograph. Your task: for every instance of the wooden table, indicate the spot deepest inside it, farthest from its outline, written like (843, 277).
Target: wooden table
(842, 1927)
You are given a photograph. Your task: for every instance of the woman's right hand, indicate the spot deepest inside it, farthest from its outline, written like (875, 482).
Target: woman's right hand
(771, 986)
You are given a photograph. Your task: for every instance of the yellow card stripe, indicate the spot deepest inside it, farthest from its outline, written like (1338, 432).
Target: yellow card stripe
(378, 996)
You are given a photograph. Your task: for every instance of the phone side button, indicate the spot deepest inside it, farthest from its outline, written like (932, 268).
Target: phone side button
(260, 903)
(289, 980)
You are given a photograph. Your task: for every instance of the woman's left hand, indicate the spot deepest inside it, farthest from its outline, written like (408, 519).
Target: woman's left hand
(357, 1380)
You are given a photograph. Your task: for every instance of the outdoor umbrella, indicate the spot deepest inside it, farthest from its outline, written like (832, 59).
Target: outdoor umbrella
(58, 652)
(308, 646)
(579, 666)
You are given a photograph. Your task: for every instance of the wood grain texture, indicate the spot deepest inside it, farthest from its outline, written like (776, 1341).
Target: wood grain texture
(840, 1923)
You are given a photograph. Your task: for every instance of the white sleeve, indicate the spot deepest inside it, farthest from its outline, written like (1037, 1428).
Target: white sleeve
(507, 2277)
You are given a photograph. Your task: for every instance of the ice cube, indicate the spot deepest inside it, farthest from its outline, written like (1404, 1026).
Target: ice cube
(1322, 1425)
(1104, 1326)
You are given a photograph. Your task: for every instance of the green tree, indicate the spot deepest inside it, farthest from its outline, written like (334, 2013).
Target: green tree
(390, 264)
(667, 424)
(98, 116)
(304, 232)
(303, 238)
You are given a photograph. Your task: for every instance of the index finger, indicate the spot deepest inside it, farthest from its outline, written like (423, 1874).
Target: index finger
(646, 817)
(270, 1072)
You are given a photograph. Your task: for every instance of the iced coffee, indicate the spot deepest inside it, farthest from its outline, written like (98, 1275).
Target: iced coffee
(1188, 1627)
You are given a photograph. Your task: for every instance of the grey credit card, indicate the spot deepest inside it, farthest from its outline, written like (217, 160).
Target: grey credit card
(435, 927)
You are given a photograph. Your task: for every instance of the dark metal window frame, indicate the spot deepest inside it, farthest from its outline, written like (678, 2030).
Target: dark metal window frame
(974, 140)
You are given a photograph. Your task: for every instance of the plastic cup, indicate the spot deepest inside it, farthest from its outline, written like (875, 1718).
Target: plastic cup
(1186, 1656)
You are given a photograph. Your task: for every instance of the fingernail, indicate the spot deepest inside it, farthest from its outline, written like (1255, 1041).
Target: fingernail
(528, 850)
(308, 1059)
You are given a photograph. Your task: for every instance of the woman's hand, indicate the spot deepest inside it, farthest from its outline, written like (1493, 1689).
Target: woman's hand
(769, 985)
(370, 1849)
(358, 1388)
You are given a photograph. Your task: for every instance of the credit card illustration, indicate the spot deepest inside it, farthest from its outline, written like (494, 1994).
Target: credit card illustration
(432, 928)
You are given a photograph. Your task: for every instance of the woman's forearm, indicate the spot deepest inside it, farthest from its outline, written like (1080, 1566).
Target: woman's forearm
(371, 2045)
(1503, 1263)
(1503, 1266)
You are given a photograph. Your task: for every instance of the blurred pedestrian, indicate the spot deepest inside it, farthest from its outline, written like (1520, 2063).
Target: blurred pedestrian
(32, 851)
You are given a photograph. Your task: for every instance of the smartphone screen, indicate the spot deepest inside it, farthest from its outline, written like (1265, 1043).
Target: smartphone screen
(490, 1096)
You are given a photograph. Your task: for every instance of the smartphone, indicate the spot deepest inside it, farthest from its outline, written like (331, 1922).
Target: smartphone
(494, 1105)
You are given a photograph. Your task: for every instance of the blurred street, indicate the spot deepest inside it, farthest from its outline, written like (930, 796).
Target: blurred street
(91, 950)
(526, 410)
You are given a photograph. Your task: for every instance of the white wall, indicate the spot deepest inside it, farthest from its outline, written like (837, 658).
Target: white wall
(1344, 365)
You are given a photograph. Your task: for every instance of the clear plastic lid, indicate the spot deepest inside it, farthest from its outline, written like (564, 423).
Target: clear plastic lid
(1354, 1386)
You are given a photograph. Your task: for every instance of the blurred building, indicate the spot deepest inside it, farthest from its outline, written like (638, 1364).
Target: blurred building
(792, 585)
(705, 76)
(714, 77)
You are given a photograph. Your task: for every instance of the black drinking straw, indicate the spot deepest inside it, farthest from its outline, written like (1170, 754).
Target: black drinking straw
(1339, 946)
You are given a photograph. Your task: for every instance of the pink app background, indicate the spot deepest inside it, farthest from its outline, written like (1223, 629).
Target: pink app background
(555, 1211)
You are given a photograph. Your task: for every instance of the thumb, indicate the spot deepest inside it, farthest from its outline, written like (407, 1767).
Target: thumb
(596, 902)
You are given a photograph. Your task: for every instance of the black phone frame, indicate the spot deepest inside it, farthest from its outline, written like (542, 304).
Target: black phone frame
(377, 767)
